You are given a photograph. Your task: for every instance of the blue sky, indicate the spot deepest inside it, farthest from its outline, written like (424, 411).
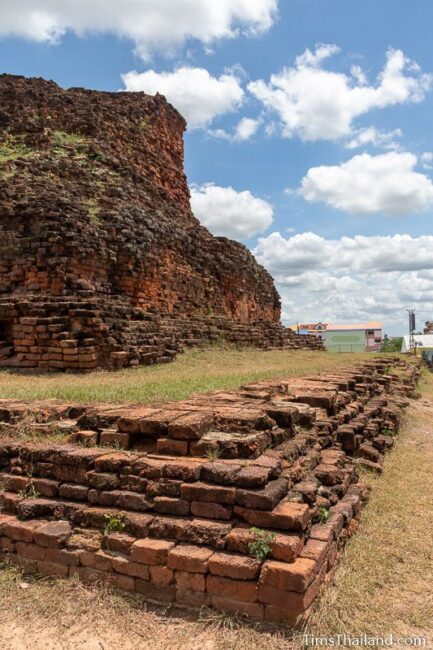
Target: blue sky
(324, 171)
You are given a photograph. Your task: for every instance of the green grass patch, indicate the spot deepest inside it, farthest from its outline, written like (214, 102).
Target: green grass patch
(64, 139)
(12, 148)
(195, 371)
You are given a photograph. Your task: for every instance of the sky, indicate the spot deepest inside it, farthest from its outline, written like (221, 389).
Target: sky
(309, 134)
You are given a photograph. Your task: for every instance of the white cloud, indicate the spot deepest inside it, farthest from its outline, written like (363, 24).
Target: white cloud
(427, 160)
(352, 278)
(365, 184)
(193, 91)
(229, 213)
(162, 25)
(371, 135)
(317, 104)
(244, 130)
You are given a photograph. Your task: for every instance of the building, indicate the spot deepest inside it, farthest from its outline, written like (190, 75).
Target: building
(422, 341)
(354, 337)
(312, 329)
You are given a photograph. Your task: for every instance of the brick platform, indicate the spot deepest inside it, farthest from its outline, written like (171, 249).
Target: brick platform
(102, 262)
(199, 478)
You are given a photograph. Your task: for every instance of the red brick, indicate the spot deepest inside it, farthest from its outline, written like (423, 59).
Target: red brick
(190, 598)
(206, 492)
(286, 516)
(281, 615)
(46, 487)
(284, 546)
(16, 483)
(113, 462)
(7, 544)
(172, 447)
(87, 574)
(317, 550)
(128, 500)
(102, 480)
(161, 576)
(115, 438)
(73, 491)
(253, 610)
(182, 470)
(232, 589)
(26, 565)
(30, 551)
(211, 510)
(253, 477)
(21, 531)
(288, 577)
(322, 532)
(53, 569)
(54, 534)
(209, 532)
(98, 560)
(292, 600)
(332, 555)
(193, 559)
(151, 551)
(118, 542)
(190, 581)
(122, 582)
(151, 591)
(190, 427)
(168, 506)
(62, 556)
(234, 566)
(9, 501)
(133, 569)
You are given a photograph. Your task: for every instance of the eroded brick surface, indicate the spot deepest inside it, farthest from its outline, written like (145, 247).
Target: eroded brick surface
(102, 262)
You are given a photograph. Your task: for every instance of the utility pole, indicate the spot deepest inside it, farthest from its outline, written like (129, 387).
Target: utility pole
(412, 328)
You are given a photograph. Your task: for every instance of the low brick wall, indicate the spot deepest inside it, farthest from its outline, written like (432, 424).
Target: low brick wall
(249, 516)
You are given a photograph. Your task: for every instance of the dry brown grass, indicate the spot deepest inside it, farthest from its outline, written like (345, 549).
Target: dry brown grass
(384, 582)
(192, 372)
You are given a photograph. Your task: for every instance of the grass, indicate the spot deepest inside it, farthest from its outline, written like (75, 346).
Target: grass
(62, 139)
(12, 149)
(195, 371)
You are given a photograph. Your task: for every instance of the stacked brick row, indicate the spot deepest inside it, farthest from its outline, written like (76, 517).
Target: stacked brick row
(278, 455)
(85, 335)
(96, 230)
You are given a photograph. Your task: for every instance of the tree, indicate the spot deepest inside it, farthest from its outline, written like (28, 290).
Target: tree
(392, 344)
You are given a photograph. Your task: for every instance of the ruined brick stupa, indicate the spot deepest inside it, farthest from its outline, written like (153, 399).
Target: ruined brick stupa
(102, 262)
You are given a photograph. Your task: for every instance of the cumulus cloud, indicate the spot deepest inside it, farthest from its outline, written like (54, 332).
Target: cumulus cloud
(150, 24)
(199, 96)
(230, 213)
(246, 128)
(317, 104)
(375, 137)
(383, 184)
(352, 278)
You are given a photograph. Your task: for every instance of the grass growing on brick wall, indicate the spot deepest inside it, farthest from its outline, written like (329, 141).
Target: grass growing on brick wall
(194, 371)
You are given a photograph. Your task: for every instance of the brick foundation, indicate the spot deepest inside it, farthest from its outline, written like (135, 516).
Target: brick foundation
(198, 478)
